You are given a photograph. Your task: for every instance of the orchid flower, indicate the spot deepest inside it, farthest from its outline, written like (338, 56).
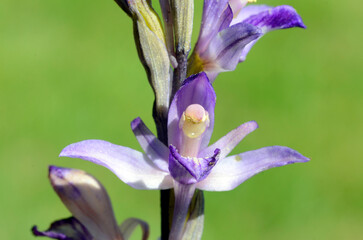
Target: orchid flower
(90, 205)
(187, 163)
(229, 30)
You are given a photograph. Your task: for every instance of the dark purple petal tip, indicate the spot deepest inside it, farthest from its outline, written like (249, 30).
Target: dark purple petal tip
(191, 78)
(53, 235)
(65, 229)
(187, 170)
(58, 171)
(280, 17)
(135, 123)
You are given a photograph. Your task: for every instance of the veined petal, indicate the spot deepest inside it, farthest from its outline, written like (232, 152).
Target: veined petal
(232, 171)
(225, 49)
(87, 200)
(217, 15)
(65, 229)
(280, 17)
(227, 143)
(268, 19)
(154, 149)
(196, 90)
(131, 166)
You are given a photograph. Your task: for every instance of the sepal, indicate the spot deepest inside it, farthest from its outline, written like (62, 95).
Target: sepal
(87, 200)
(65, 229)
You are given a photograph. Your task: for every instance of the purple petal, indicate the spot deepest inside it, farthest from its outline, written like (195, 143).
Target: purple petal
(217, 15)
(187, 170)
(268, 19)
(227, 143)
(249, 11)
(196, 90)
(232, 171)
(156, 151)
(87, 200)
(280, 17)
(131, 166)
(225, 49)
(65, 229)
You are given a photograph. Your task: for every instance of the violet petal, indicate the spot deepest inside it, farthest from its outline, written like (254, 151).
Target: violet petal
(154, 149)
(65, 229)
(227, 143)
(225, 49)
(131, 166)
(216, 17)
(232, 171)
(188, 170)
(268, 19)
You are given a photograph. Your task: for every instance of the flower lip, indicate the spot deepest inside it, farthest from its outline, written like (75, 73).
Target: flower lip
(188, 170)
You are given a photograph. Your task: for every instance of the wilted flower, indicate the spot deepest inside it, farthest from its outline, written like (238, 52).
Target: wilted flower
(229, 30)
(90, 205)
(187, 163)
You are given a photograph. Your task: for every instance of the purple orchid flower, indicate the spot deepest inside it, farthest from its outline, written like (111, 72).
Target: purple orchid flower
(187, 163)
(90, 205)
(229, 30)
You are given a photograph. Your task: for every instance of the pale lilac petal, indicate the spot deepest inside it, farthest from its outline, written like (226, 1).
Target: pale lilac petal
(225, 49)
(227, 143)
(237, 5)
(232, 171)
(87, 200)
(131, 166)
(153, 147)
(129, 225)
(217, 16)
(65, 229)
(188, 170)
(267, 19)
(196, 90)
(249, 11)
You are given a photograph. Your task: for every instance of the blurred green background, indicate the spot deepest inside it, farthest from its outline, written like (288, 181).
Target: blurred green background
(69, 71)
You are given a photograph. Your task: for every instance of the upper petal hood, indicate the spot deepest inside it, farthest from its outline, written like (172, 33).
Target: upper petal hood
(196, 90)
